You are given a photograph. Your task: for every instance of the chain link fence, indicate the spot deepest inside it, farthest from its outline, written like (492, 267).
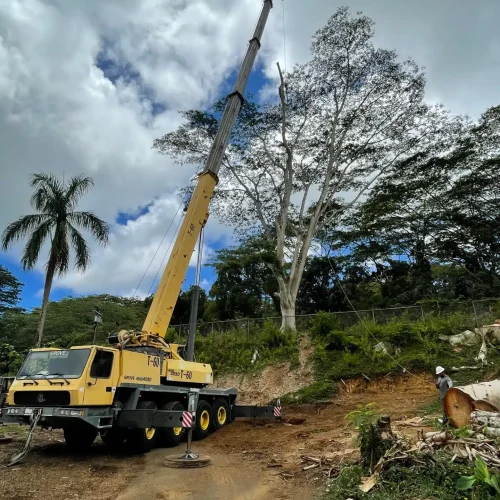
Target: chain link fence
(472, 314)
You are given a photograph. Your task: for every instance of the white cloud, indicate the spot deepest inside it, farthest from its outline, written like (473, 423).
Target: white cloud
(60, 112)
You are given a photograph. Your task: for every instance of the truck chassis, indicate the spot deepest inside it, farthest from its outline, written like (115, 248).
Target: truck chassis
(139, 409)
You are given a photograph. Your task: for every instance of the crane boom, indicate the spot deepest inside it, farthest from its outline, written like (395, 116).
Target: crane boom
(166, 296)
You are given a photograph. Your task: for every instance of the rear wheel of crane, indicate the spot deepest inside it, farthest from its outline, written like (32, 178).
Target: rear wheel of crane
(171, 436)
(79, 438)
(220, 412)
(203, 420)
(143, 440)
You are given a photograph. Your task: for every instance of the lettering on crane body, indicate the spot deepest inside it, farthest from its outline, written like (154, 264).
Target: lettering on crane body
(182, 374)
(133, 378)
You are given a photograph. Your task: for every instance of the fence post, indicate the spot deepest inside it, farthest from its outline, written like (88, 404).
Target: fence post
(422, 312)
(212, 327)
(475, 314)
(248, 327)
(373, 315)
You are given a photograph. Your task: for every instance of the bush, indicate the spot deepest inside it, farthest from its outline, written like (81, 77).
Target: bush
(323, 324)
(321, 390)
(272, 337)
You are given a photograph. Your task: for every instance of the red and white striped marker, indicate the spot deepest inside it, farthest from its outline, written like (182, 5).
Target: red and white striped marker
(187, 419)
(277, 411)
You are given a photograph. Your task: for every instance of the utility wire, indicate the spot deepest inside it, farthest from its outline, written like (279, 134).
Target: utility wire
(366, 326)
(166, 252)
(157, 250)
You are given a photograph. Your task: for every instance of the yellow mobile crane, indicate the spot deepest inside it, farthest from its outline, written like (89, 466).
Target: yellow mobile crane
(140, 390)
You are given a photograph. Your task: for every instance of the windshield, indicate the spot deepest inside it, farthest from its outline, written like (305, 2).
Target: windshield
(68, 363)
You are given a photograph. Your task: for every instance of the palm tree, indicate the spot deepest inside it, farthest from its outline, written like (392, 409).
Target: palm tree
(56, 202)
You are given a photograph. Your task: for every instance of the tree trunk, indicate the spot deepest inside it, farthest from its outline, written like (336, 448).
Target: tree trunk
(287, 304)
(49, 277)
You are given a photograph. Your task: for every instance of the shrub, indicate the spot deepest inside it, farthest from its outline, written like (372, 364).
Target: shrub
(272, 337)
(323, 324)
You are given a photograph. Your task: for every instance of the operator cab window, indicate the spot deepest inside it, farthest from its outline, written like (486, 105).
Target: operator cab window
(102, 364)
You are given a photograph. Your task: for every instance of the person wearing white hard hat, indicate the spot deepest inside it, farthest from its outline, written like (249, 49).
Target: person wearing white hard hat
(443, 383)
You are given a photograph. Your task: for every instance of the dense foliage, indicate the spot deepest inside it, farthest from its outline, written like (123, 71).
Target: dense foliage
(345, 119)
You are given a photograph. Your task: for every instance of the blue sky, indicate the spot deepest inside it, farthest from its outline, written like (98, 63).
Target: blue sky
(34, 280)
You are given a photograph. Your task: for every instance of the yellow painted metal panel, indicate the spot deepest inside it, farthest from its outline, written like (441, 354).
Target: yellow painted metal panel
(139, 368)
(188, 372)
(96, 392)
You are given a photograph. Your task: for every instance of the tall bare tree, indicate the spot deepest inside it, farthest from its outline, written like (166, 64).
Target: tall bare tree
(55, 221)
(342, 121)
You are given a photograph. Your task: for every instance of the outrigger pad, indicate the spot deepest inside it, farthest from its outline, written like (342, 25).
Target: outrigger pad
(188, 460)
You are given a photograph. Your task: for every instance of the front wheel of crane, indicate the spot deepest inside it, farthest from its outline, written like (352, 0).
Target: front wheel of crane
(203, 420)
(143, 440)
(79, 438)
(171, 436)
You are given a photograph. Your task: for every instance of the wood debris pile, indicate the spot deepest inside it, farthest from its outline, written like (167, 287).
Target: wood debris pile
(461, 449)
(323, 464)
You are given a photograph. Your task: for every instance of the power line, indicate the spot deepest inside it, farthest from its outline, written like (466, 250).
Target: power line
(166, 252)
(366, 326)
(157, 250)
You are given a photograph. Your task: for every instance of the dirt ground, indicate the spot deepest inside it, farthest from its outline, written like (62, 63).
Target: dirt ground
(250, 459)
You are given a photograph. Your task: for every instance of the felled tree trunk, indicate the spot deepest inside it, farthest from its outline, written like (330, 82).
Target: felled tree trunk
(460, 402)
(485, 418)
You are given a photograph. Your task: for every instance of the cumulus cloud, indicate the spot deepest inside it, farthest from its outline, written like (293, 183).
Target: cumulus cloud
(85, 87)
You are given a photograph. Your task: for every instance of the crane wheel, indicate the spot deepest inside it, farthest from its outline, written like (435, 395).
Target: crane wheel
(79, 438)
(203, 424)
(114, 437)
(220, 412)
(143, 440)
(171, 436)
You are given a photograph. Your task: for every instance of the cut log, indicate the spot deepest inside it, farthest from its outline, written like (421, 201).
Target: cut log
(438, 437)
(487, 418)
(482, 404)
(491, 431)
(460, 402)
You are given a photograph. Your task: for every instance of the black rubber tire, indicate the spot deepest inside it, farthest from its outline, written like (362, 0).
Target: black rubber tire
(220, 413)
(79, 438)
(114, 438)
(140, 440)
(203, 427)
(167, 436)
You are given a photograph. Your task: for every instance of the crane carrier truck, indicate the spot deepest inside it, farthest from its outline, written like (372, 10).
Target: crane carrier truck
(140, 390)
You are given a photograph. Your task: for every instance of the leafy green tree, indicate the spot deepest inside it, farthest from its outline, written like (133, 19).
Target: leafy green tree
(343, 121)
(438, 214)
(10, 360)
(10, 289)
(245, 283)
(56, 222)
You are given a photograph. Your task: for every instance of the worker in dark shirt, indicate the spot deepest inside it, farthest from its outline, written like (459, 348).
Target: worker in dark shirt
(443, 383)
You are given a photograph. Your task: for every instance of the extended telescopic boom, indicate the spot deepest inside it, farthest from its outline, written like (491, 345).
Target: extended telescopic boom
(166, 295)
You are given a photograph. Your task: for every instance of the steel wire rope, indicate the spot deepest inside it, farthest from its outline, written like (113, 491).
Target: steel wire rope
(157, 250)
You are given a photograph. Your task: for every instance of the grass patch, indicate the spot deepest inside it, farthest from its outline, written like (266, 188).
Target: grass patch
(232, 351)
(318, 391)
(415, 346)
(13, 430)
(415, 481)
(433, 408)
